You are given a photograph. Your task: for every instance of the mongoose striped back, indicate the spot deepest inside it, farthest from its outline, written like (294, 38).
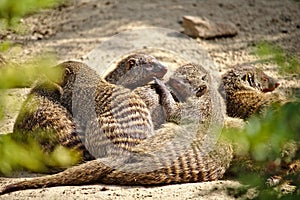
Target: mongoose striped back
(171, 155)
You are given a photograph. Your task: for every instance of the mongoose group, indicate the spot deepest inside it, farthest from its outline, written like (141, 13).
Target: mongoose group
(120, 122)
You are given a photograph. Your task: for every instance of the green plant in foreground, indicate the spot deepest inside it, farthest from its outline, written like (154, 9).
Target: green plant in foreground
(12, 10)
(259, 146)
(23, 76)
(29, 154)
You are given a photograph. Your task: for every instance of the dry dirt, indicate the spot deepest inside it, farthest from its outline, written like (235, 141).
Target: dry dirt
(76, 28)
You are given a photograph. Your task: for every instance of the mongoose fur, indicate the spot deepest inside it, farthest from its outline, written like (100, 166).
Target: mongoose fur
(245, 91)
(57, 122)
(175, 161)
(189, 166)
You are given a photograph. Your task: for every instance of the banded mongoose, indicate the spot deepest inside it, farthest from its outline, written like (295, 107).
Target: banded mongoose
(180, 87)
(245, 91)
(159, 159)
(44, 113)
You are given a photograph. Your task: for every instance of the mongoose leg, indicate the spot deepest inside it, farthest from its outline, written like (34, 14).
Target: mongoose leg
(167, 101)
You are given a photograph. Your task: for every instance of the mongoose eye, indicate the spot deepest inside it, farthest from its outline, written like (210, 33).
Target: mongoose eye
(244, 78)
(201, 90)
(250, 79)
(149, 67)
(130, 64)
(265, 79)
(67, 71)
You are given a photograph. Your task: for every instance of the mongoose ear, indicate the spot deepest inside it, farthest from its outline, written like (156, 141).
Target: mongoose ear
(130, 64)
(67, 72)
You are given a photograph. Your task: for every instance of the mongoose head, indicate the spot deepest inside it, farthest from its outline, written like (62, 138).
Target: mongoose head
(136, 70)
(256, 78)
(248, 78)
(48, 89)
(71, 70)
(188, 81)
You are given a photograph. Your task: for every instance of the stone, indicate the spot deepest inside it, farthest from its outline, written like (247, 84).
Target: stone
(204, 28)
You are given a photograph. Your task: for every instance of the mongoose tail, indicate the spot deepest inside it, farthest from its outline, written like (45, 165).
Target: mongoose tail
(95, 170)
(192, 166)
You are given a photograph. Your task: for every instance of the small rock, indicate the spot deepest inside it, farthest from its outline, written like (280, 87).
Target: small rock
(104, 189)
(207, 29)
(284, 30)
(251, 3)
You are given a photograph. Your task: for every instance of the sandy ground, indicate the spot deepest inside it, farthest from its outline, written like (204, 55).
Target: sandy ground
(76, 28)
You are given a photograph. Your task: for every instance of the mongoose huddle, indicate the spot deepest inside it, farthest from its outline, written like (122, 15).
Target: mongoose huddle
(48, 109)
(121, 124)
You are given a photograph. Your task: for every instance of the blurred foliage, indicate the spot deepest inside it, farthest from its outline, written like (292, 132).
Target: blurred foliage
(27, 155)
(12, 10)
(262, 139)
(269, 141)
(5, 45)
(288, 64)
(265, 135)
(263, 144)
(30, 156)
(13, 75)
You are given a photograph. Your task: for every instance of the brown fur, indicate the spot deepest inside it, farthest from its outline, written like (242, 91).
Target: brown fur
(158, 159)
(49, 112)
(245, 91)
